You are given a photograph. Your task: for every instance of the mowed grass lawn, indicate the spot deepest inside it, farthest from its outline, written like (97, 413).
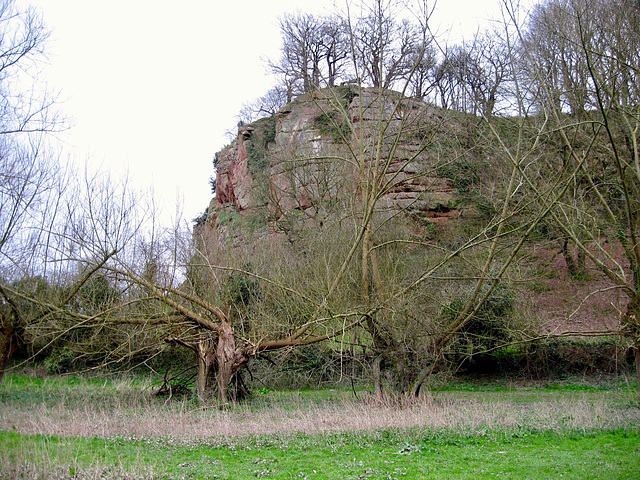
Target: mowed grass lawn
(114, 428)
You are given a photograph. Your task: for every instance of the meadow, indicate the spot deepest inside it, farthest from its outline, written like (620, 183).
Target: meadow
(113, 427)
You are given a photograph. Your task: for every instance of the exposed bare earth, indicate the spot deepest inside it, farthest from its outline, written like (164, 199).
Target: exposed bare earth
(570, 305)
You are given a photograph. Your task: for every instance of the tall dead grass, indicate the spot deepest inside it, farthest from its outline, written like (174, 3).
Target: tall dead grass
(141, 415)
(33, 471)
(120, 409)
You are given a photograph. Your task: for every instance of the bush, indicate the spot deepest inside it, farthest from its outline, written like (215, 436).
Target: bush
(555, 358)
(242, 290)
(310, 366)
(491, 325)
(60, 361)
(569, 356)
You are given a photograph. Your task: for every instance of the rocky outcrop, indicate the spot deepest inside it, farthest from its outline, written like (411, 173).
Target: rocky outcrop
(233, 181)
(309, 151)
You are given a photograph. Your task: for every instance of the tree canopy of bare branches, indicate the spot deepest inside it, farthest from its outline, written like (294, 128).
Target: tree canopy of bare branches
(30, 179)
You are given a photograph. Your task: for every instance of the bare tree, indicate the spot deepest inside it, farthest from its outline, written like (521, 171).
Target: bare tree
(598, 155)
(31, 180)
(551, 41)
(450, 79)
(314, 50)
(335, 47)
(377, 47)
(265, 106)
(472, 77)
(384, 45)
(133, 285)
(383, 138)
(424, 62)
(487, 71)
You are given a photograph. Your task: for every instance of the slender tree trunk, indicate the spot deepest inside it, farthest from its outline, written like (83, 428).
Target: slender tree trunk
(366, 284)
(582, 262)
(5, 347)
(418, 382)
(576, 267)
(376, 371)
(370, 291)
(631, 322)
(572, 269)
(422, 377)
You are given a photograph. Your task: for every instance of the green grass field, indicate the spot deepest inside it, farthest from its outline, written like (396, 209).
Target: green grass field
(113, 428)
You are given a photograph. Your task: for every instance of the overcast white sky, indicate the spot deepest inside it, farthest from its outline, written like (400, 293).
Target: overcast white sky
(153, 85)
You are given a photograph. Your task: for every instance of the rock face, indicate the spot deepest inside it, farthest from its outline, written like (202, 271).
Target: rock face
(233, 181)
(318, 146)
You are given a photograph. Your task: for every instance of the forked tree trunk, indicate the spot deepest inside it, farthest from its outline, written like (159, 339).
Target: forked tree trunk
(230, 360)
(225, 354)
(422, 377)
(219, 362)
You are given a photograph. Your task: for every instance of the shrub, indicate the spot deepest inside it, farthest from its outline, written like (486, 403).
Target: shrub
(491, 325)
(242, 290)
(570, 356)
(59, 361)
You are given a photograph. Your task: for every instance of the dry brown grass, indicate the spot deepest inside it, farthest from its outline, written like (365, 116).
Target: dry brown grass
(124, 412)
(32, 471)
(142, 415)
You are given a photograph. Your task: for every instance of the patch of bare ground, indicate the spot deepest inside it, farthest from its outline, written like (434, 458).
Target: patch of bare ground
(562, 304)
(145, 417)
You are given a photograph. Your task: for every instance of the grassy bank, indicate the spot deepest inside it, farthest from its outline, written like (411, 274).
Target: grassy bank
(385, 454)
(79, 427)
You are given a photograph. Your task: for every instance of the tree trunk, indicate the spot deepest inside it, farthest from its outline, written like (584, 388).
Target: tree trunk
(377, 376)
(637, 358)
(631, 322)
(430, 369)
(219, 362)
(8, 344)
(575, 268)
(225, 354)
(206, 361)
(383, 341)
(568, 258)
(582, 263)
(230, 360)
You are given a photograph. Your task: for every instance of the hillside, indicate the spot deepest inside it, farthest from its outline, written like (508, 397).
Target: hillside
(281, 172)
